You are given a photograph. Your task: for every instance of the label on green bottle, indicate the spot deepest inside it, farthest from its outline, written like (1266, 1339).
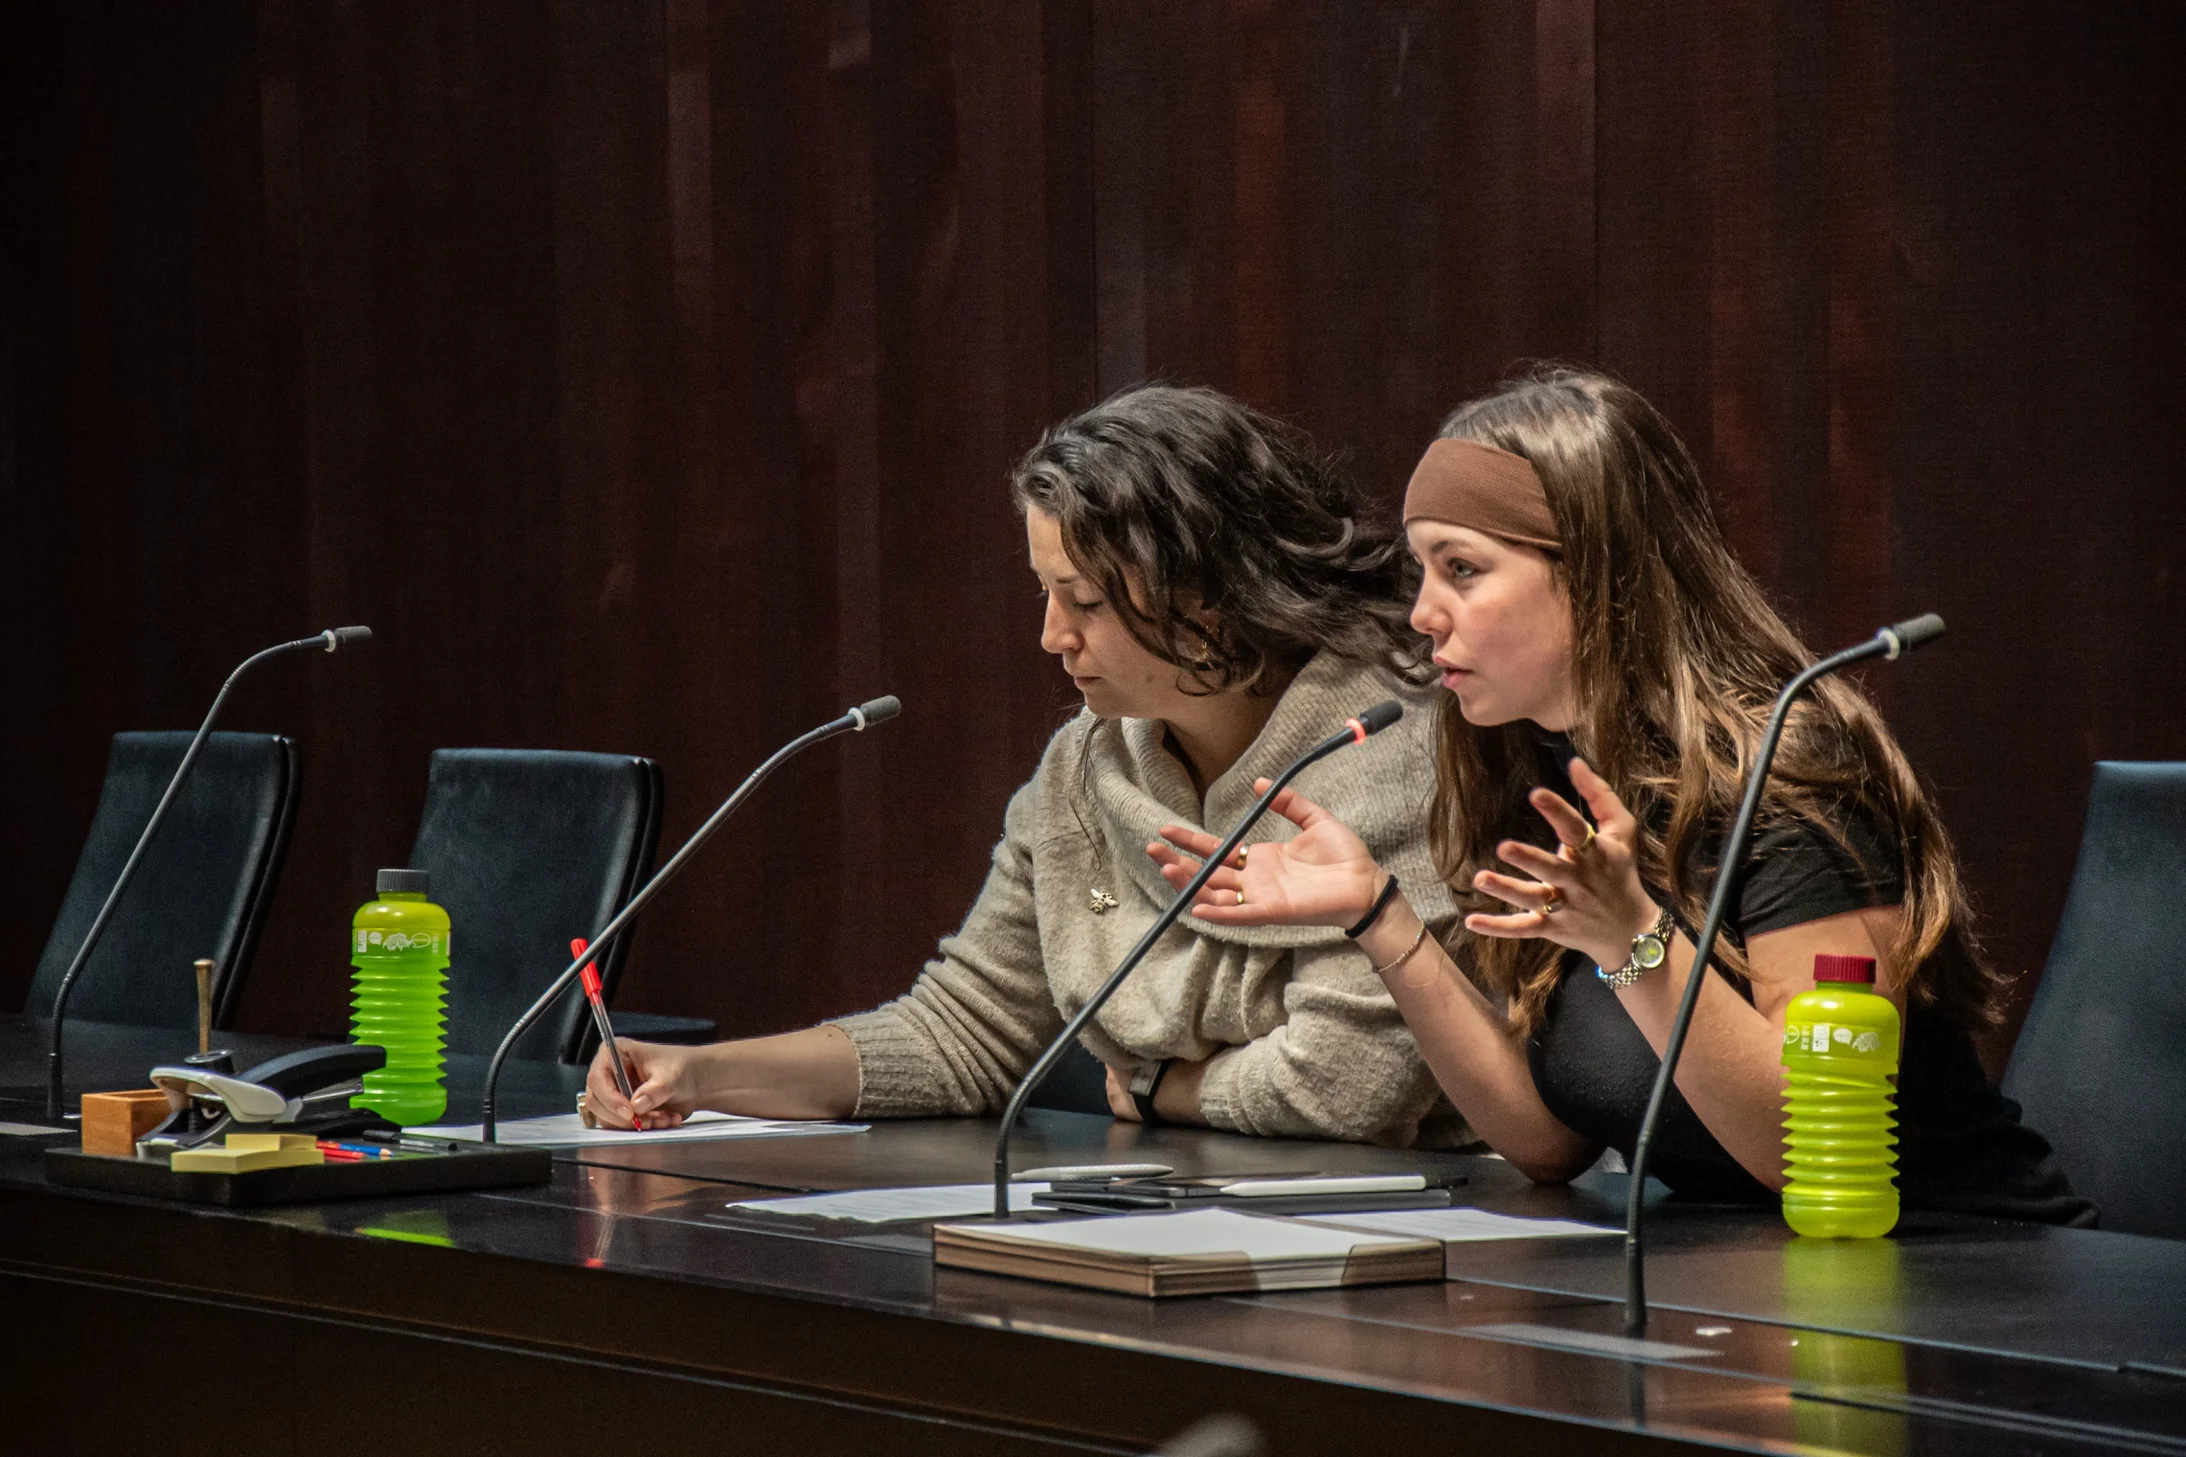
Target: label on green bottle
(1826, 1037)
(402, 943)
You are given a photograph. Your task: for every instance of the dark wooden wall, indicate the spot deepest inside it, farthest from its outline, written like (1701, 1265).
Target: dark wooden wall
(645, 372)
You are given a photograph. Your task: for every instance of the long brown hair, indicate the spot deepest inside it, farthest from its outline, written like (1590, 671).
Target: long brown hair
(1677, 658)
(1182, 502)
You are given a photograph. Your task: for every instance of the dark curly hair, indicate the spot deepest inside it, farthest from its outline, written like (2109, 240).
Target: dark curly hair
(1230, 546)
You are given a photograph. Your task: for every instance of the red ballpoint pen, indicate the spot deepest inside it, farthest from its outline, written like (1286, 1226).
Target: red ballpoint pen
(591, 978)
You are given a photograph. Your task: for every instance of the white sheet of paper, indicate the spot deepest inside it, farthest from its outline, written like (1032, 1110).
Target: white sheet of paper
(1454, 1225)
(567, 1130)
(1202, 1232)
(881, 1206)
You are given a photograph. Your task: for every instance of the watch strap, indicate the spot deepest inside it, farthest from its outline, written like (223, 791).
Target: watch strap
(1144, 1085)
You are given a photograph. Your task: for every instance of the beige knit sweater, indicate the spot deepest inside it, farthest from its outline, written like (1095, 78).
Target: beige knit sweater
(1319, 1049)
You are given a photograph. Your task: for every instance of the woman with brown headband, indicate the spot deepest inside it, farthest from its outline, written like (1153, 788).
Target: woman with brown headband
(1610, 667)
(1222, 601)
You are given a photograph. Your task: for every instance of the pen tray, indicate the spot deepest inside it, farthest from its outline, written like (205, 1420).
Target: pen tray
(472, 1168)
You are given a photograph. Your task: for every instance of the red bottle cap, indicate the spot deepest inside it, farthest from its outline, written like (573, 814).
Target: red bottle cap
(1844, 968)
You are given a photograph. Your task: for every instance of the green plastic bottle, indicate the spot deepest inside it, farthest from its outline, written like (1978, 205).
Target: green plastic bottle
(1840, 1054)
(399, 946)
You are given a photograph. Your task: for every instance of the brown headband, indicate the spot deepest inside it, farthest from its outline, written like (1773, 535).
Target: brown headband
(1484, 489)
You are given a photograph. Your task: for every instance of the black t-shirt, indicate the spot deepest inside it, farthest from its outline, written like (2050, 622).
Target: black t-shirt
(1961, 1146)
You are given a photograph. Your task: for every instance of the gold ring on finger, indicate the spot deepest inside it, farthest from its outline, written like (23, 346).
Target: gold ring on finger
(1554, 903)
(1240, 896)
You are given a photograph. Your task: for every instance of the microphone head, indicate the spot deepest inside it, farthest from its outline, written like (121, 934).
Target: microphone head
(1379, 717)
(878, 710)
(337, 638)
(1912, 633)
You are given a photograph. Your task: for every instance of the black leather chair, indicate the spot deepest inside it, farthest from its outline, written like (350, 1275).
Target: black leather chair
(201, 890)
(2101, 1065)
(528, 848)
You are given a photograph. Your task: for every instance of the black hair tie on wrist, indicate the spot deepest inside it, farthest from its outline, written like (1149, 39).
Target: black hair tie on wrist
(1373, 913)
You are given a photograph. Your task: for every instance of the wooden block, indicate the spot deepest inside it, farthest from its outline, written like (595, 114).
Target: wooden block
(113, 1122)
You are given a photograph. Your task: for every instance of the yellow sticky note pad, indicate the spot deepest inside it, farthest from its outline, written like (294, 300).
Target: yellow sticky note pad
(248, 1152)
(261, 1142)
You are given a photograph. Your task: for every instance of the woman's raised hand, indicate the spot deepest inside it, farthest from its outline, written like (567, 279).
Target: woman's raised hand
(1585, 894)
(1322, 876)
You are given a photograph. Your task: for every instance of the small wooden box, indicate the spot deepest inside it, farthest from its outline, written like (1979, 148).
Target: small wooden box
(113, 1122)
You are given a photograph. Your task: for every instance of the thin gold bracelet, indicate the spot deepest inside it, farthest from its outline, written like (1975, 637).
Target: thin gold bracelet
(1417, 942)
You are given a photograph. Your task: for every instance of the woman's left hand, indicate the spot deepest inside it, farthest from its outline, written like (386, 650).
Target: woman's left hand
(1586, 894)
(1120, 1104)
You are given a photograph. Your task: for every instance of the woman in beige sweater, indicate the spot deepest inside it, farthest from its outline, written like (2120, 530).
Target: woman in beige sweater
(1215, 593)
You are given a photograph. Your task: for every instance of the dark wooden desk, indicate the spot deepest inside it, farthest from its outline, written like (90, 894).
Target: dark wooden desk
(625, 1309)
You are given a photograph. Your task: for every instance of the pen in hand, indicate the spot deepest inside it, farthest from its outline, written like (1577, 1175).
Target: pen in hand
(591, 978)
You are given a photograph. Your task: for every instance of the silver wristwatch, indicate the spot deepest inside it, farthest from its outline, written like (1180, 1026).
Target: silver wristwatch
(1650, 948)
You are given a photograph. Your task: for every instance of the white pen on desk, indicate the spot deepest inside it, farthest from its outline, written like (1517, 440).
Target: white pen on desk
(1325, 1184)
(1090, 1171)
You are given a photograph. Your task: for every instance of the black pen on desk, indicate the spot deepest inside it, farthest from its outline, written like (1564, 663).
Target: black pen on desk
(593, 994)
(414, 1145)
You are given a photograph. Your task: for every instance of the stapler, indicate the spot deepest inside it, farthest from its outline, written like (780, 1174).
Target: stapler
(301, 1092)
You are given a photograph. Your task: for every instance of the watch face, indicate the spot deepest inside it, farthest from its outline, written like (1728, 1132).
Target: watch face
(1648, 952)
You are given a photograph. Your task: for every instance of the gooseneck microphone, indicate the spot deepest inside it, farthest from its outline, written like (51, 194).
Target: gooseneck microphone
(1355, 730)
(1890, 643)
(332, 640)
(857, 720)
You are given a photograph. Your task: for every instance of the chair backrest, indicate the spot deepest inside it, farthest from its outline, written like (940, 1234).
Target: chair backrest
(201, 890)
(528, 848)
(2100, 1068)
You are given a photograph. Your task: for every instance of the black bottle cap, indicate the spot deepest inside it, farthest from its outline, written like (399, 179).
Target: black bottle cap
(406, 882)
